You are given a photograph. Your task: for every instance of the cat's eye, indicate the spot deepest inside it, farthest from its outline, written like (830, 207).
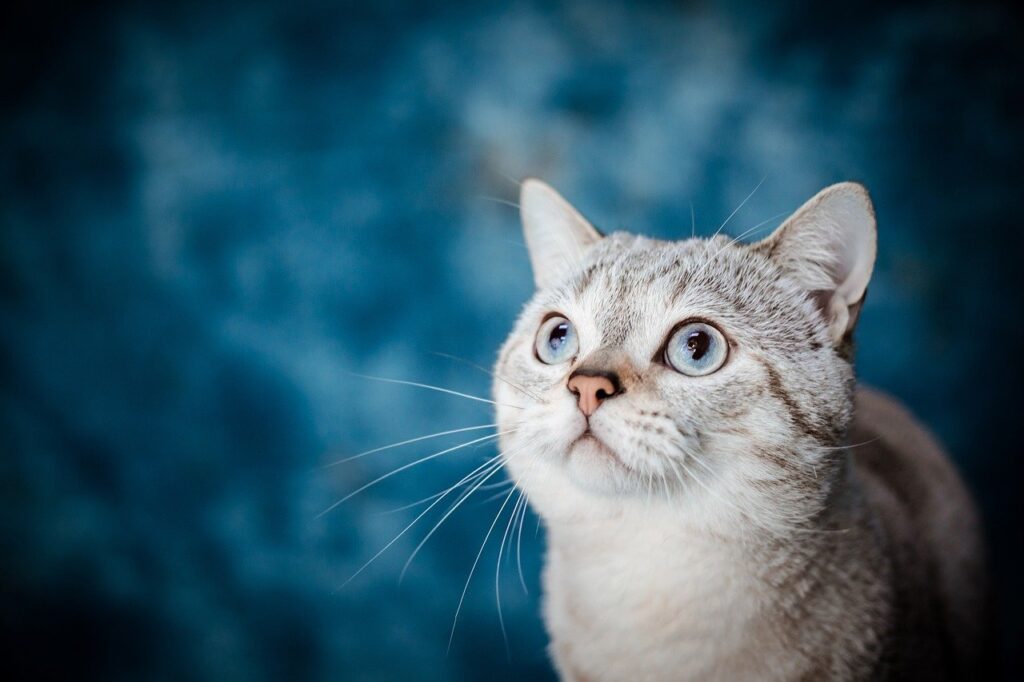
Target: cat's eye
(556, 341)
(696, 349)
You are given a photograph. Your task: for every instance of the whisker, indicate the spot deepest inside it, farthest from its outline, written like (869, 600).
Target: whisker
(515, 242)
(465, 495)
(678, 476)
(760, 225)
(742, 203)
(517, 183)
(434, 388)
(513, 519)
(701, 462)
(519, 542)
(407, 442)
(489, 486)
(411, 504)
(472, 569)
(409, 466)
(406, 529)
(460, 500)
(496, 200)
(500, 484)
(492, 498)
(493, 374)
(497, 573)
(733, 241)
(852, 445)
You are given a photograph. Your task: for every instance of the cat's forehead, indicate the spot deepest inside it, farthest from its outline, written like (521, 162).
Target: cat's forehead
(623, 270)
(631, 287)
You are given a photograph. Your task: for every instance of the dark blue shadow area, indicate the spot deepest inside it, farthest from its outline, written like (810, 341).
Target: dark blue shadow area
(215, 215)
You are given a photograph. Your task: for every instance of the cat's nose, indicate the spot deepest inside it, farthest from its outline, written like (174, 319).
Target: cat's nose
(592, 387)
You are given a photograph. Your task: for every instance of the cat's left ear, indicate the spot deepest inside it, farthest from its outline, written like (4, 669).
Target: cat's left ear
(557, 236)
(829, 246)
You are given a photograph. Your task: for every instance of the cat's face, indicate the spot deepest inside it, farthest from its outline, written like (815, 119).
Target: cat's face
(707, 374)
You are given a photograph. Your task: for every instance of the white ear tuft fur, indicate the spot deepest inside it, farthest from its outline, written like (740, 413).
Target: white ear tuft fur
(557, 236)
(829, 246)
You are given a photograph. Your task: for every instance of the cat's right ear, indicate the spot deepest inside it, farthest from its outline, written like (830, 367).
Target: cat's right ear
(557, 236)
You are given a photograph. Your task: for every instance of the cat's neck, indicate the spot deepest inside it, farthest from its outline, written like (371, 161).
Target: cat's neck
(646, 574)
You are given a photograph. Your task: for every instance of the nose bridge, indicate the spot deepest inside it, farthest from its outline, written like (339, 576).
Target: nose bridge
(610, 362)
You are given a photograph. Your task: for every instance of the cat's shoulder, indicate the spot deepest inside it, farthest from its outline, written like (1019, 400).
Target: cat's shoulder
(890, 444)
(931, 524)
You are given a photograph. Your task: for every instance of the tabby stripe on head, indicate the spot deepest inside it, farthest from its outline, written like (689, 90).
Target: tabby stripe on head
(795, 413)
(583, 281)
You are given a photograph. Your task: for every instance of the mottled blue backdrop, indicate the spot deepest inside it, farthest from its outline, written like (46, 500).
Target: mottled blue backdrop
(214, 213)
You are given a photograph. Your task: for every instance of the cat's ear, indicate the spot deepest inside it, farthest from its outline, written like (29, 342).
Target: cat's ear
(829, 246)
(557, 236)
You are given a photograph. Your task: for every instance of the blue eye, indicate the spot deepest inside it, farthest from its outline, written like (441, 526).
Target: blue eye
(696, 349)
(556, 341)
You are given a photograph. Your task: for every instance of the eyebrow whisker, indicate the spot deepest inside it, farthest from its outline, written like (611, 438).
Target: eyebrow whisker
(435, 388)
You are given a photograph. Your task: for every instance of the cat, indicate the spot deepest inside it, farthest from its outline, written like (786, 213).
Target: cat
(721, 501)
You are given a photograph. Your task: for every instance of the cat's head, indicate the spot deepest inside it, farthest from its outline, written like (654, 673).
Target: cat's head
(707, 373)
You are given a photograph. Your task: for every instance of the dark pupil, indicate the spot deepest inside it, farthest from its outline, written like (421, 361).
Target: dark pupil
(698, 343)
(558, 335)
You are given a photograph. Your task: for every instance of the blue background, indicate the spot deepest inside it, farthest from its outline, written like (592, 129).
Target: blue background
(213, 213)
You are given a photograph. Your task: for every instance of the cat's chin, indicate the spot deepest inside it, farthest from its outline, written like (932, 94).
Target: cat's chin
(595, 466)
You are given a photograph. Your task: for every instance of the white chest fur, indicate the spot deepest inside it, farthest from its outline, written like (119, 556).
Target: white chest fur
(643, 598)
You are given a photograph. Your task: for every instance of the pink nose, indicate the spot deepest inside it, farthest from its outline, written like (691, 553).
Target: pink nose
(591, 391)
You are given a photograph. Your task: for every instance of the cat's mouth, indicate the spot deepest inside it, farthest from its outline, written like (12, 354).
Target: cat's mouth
(590, 442)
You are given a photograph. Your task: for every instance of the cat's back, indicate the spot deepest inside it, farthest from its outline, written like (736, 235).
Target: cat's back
(932, 530)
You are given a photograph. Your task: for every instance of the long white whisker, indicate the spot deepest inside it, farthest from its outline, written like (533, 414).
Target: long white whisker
(497, 200)
(731, 242)
(701, 462)
(489, 486)
(852, 445)
(498, 463)
(519, 542)
(515, 516)
(435, 388)
(493, 374)
(737, 210)
(758, 226)
(497, 572)
(406, 529)
(499, 484)
(412, 504)
(496, 496)
(407, 442)
(678, 475)
(409, 466)
(472, 569)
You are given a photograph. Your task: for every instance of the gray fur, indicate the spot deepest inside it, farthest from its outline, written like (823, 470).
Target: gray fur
(775, 551)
